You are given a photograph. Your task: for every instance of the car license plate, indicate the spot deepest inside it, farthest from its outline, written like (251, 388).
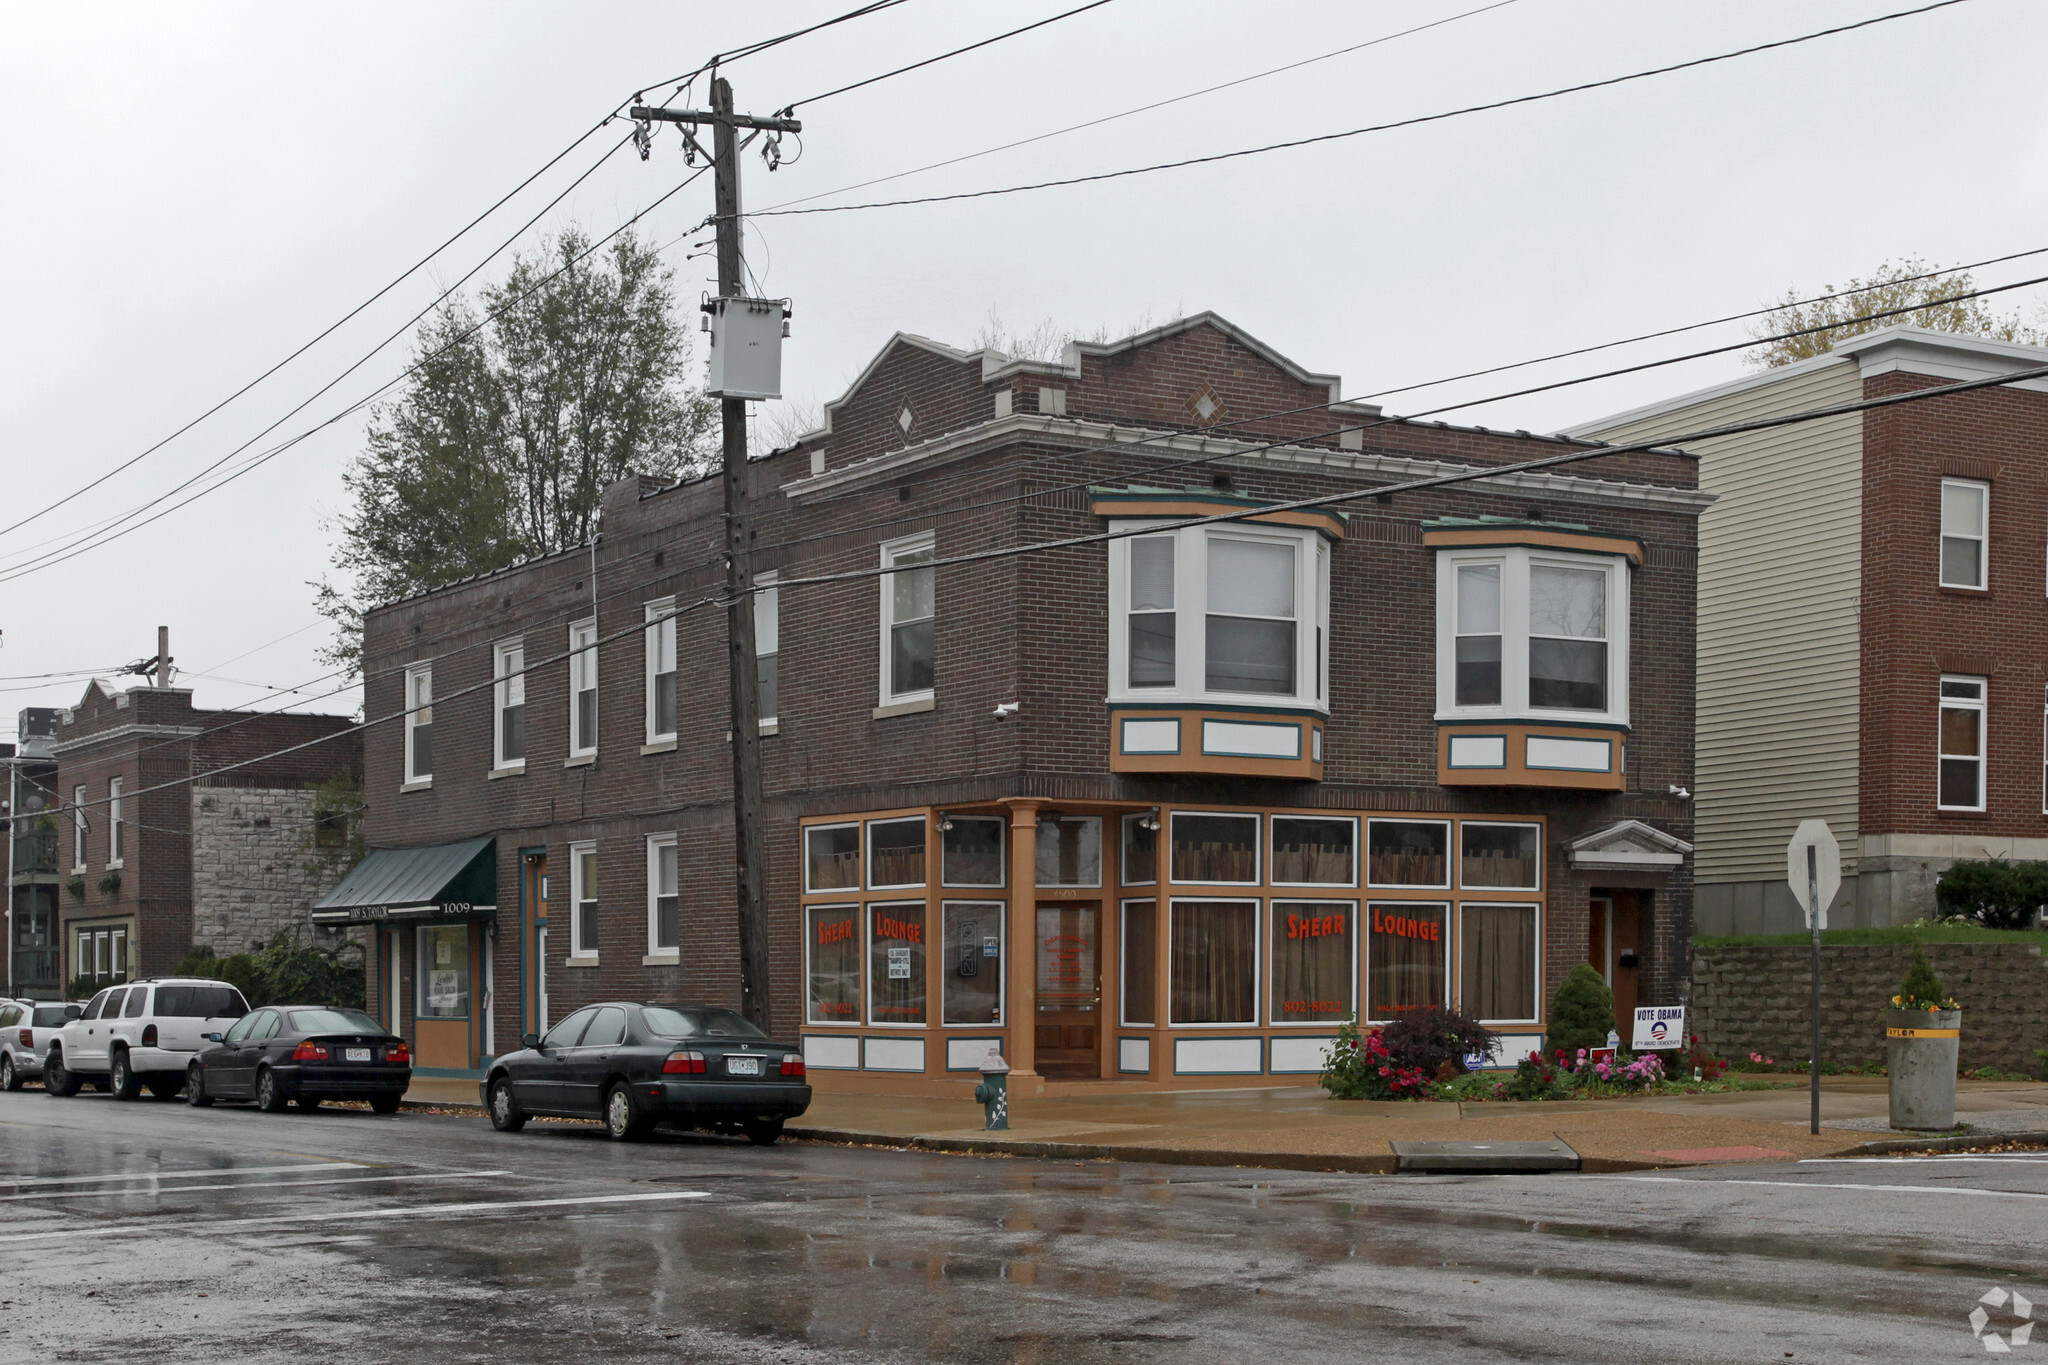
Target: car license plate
(355, 1054)
(742, 1066)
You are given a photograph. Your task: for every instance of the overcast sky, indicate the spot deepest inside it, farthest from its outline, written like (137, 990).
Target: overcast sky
(192, 191)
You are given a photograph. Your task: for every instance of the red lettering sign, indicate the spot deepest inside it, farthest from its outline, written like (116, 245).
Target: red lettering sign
(908, 930)
(1314, 926)
(1401, 926)
(835, 931)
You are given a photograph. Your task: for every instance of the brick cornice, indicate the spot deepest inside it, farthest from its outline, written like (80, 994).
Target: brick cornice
(83, 742)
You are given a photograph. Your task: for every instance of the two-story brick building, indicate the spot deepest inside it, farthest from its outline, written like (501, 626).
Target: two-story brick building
(1163, 807)
(1873, 629)
(171, 838)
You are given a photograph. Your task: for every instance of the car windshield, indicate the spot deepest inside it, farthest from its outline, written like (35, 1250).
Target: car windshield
(668, 1021)
(346, 1021)
(199, 1002)
(49, 1016)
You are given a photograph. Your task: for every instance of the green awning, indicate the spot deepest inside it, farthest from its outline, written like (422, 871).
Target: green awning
(445, 881)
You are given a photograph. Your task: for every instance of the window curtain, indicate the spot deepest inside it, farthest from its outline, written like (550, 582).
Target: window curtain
(1497, 952)
(1214, 973)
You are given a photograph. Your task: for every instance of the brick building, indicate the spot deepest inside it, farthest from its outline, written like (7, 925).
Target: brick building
(165, 852)
(1873, 623)
(1158, 808)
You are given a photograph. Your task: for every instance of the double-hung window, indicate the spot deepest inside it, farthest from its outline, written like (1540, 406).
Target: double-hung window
(508, 670)
(419, 723)
(1965, 529)
(768, 646)
(661, 670)
(909, 621)
(583, 900)
(116, 844)
(78, 829)
(1234, 614)
(1962, 744)
(583, 688)
(1532, 633)
(664, 927)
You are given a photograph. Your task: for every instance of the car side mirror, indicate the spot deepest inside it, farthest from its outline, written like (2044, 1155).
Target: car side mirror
(531, 1040)
(213, 1037)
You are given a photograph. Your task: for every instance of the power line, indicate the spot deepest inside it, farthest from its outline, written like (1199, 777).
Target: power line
(1357, 132)
(739, 53)
(791, 107)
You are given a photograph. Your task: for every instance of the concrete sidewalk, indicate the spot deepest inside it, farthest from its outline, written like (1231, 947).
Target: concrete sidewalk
(1300, 1128)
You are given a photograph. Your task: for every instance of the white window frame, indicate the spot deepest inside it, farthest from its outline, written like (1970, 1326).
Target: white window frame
(1357, 851)
(655, 844)
(1191, 613)
(768, 601)
(1261, 967)
(1458, 856)
(508, 689)
(1123, 917)
(78, 828)
(117, 850)
(1275, 1016)
(1002, 854)
(1515, 563)
(1450, 854)
(868, 853)
(582, 678)
(415, 676)
(893, 551)
(1001, 909)
(859, 910)
(804, 852)
(1456, 981)
(1259, 836)
(919, 912)
(660, 619)
(1449, 908)
(1982, 706)
(578, 951)
(1982, 537)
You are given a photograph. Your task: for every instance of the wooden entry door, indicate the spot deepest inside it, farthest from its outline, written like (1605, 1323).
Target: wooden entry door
(1615, 941)
(1069, 1023)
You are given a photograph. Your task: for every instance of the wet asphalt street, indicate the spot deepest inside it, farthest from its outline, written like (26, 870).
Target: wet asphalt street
(148, 1231)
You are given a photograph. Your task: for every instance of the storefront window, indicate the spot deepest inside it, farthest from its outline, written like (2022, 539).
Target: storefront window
(971, 849)
(832, 989)
(896, 852)
(1313, 959)
(1314, 852)
(1497, 857)
(1141, 962)
(1497, 961)
(832, 858)
(1214, 968)
(1216, 848)
(1408, 852)
(974, 962)
(1140, 861)
(444, 971)
(1405, 959)
(896, 963)
(1069, 850)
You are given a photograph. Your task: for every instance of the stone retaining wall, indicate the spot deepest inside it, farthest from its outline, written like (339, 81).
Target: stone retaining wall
(1757, 1000)
(255, 872)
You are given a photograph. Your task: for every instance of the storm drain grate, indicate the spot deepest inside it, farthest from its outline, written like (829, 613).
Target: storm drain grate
(1482, 1158)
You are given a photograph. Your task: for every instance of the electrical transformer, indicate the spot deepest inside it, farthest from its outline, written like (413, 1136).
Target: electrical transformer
(746, 346)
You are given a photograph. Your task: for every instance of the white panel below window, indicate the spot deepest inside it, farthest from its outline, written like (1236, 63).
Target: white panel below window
(1301, 1054)
(895, 1054)
(1514, 1047)
(824, 1053)
(1151, 736)
(1479, 751)
(967, 1054)
(1578, 755)
(1216, 1056)
(1134, 1054)
(1254, 741)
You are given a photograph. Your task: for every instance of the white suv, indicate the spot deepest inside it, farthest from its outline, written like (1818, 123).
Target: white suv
(141, 1033)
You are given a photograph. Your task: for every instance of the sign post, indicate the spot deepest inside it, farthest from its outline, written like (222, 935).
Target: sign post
(1813, 868)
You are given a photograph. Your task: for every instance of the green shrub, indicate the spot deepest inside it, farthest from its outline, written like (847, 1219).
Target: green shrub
(1361, 1069)
(287, 972)
(1581, 1014)
(1995, 893)
(1539, 1078)
(1922, 989)
(1424, 1040)
(82, 988)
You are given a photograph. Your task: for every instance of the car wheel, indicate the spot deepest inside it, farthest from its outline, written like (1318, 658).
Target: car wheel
(505, 1114)
(9, 1078)
(762, 1132)
(121, 1077)
(384, 1104)
(622, 1117)
(195, 1087)
(59, 1079)
(270, 1096)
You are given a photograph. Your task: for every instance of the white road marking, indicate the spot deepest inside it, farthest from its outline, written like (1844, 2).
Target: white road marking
(215, 1171)
(255, 1187)
(1816, 1185)
(331, 1216)
(2009, 1158)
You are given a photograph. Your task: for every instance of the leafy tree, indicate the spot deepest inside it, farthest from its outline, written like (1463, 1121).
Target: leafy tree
(1581, 1014)
(1995, 893)
(500, 447)
(288, 971)
(1891, 286)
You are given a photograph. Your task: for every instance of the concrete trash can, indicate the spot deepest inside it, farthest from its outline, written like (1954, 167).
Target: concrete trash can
(1922, 1047)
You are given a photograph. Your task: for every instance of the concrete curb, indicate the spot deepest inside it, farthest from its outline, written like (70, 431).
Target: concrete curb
(1947, 1144)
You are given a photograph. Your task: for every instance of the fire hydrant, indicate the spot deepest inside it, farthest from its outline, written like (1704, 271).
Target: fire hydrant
(994, 1092)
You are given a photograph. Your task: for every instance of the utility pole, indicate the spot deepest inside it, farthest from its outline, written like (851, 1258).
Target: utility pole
(742, 668)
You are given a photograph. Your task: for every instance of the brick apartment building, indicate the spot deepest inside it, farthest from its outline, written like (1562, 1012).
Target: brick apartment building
(162, 857)
(32, 873)
(1873, 623)
(1163, 809)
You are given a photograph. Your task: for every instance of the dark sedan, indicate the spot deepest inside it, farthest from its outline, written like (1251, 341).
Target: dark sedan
(635, 1065)
(302, 1054)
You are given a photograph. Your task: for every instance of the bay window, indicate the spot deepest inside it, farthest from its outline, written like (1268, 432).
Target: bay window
(1531, 632)
(909, 621)
(1228, 614)
(508, 668)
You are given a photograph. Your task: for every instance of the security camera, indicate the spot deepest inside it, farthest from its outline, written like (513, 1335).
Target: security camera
(1008, 709)
(1679, 792)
